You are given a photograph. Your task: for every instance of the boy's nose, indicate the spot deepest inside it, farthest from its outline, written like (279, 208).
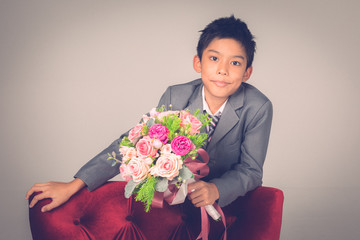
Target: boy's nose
(222, 70)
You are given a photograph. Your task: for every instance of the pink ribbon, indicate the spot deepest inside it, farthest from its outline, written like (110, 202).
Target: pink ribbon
(205, 224)
(158, 200)
(199, 168)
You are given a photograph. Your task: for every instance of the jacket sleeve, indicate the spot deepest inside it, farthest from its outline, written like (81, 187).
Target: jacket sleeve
(99, 170)
(247, 174)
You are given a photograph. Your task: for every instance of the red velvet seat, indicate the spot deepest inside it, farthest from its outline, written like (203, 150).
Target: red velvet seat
(106, 214)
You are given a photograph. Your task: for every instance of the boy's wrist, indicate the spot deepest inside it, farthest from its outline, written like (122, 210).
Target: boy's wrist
(76, 185)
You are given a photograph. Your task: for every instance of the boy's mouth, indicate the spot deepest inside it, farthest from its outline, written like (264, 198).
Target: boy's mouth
(220, 83)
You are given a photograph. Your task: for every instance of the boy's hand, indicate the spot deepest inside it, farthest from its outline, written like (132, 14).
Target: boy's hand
(203, 193)
(59, 192)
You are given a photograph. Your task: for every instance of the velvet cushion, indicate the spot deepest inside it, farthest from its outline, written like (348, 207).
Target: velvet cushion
(106, 214)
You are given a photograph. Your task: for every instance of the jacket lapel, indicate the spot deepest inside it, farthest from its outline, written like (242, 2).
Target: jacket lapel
(229, 118)
(195, 101)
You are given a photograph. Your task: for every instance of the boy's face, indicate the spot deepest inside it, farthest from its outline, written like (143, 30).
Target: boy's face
(222, 68)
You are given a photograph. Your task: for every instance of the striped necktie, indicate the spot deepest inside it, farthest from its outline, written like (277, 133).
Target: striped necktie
(212, 126)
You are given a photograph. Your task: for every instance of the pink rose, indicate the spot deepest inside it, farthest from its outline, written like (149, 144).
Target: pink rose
(138, 169)
(134, 133)
(159, 131)
(168, 166)
(145, 148)
(181, 145)
(187, 118)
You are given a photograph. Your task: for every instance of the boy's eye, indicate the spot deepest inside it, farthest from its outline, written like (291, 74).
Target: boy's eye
(213, 58)
(236, 63)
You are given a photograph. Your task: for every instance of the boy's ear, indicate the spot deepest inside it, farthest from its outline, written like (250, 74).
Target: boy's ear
(247, 73)
(197, 64)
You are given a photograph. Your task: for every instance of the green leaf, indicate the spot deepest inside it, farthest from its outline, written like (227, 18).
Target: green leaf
(126, 142)
(146, 192)
(185, 173)
(161, 184)
(150, 122)
(130, 187)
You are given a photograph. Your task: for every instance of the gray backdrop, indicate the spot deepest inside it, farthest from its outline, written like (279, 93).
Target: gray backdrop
(75, 74)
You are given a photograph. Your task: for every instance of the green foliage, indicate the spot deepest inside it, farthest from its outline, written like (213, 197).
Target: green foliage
(185, 173)
(203, 117)
(198, 140)
(150, 122)
(146, 192)
(172, 122)
(112, 156)
(145, 130)
(161, 109)
(126, 142)
(130, 188)
(162, 184)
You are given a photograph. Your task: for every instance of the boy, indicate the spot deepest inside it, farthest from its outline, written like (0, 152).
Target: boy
(238, 145)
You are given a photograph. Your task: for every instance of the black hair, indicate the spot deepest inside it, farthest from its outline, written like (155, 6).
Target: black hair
(228, 27)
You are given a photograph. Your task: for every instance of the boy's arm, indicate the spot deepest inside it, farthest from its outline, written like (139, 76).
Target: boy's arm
(93, 174)
(247, 175)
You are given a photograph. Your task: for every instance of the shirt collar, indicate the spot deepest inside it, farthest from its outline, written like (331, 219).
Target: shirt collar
(206, 106)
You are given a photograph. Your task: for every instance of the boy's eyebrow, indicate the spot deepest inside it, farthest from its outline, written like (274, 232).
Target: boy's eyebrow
(236, 56)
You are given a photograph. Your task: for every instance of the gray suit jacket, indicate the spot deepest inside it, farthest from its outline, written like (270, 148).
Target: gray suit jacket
(237, 150)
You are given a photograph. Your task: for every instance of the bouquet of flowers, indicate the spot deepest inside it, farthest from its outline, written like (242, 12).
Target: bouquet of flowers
(155, 153)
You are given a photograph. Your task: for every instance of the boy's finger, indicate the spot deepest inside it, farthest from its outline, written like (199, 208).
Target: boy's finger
(28, 194)
(49, 207)
(194, 186)
(199, 201)
(41, 184)
(196, 194)
(37, 198)
(31, 191)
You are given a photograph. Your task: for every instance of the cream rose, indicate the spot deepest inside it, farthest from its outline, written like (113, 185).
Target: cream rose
(167, 165)
(138, 169)
(165, 149)
(130, 153)
(123, 150)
